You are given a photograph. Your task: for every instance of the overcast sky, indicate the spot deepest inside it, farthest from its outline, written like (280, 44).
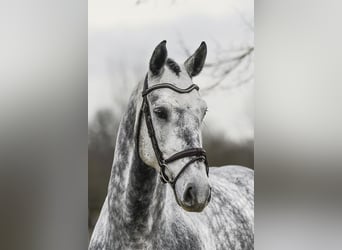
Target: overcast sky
(122, 36)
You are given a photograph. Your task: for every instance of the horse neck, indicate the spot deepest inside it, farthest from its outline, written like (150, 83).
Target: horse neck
(136, 195)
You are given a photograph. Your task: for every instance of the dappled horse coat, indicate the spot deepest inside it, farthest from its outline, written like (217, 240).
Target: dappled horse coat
(142, 212)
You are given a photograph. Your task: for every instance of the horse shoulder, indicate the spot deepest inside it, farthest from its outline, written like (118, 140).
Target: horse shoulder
(232, 206)
(228, 179)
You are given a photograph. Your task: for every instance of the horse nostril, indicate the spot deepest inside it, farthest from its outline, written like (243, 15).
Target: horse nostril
(209, 196)
(189, 194)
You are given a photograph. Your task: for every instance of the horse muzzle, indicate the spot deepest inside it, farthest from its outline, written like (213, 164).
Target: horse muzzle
(195, 197)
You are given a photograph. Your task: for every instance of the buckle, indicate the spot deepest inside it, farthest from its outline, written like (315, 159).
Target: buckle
(163, 177)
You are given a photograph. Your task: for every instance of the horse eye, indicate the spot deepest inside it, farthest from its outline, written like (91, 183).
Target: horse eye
(161, 113)
(205, 112)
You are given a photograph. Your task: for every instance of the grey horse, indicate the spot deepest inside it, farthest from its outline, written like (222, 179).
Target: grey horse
(199, 211)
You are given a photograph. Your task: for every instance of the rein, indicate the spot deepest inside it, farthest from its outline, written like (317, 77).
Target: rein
(199, 154)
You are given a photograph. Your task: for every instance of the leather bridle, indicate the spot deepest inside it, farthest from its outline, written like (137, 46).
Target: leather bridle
(198, 154)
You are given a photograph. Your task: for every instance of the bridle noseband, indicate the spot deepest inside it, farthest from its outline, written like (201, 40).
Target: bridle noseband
(199, 154)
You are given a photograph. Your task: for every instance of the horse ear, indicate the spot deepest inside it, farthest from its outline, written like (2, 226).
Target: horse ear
(158, 58)
(194, 64)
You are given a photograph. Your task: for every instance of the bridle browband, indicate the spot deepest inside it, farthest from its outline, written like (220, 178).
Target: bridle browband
(199, 154)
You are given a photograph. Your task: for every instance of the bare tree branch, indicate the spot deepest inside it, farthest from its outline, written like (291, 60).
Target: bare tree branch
(230, 64)
(248, 23)
(138, 2)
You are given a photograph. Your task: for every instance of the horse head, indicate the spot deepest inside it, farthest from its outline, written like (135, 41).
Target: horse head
(176, 118)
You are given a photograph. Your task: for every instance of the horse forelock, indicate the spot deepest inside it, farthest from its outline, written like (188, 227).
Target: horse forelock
(172, 65)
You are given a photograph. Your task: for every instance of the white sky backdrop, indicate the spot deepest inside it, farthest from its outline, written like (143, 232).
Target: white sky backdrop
(122, 36)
